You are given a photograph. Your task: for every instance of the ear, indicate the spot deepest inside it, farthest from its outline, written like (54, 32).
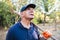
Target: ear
(21, 14)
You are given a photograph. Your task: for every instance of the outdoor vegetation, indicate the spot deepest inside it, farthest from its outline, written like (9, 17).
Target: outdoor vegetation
(46, 12)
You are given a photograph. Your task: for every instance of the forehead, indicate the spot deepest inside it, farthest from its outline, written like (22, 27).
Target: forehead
(29, 8)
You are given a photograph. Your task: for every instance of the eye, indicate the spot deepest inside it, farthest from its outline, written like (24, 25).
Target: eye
(28, 8)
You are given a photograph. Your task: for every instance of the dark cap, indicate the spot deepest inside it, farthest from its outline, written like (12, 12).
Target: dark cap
(27, 6)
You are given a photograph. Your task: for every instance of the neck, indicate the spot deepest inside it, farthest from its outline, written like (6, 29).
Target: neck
(26, 23)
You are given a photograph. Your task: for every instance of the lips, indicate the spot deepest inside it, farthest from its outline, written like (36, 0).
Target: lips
(32, 14)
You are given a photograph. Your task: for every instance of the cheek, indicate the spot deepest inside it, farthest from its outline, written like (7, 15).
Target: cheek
(27, 12)
(25, 15)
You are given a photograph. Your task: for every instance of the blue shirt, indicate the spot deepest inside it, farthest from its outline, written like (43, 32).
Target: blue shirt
(18, 32)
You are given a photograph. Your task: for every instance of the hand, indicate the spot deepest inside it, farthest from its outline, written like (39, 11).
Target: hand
(46, 34)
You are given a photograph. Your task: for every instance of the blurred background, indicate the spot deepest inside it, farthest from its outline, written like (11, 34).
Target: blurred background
(47, 15)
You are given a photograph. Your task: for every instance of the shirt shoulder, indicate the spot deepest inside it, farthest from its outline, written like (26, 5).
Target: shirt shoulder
(10, 33)
(14, 27)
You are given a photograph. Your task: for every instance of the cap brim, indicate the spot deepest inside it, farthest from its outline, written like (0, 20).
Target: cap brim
(28, 6)
(31, 5)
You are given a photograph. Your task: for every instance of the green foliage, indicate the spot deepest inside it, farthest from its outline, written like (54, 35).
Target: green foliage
(35, 20)
(45, 5)
(6, 17)
(40, 20)
(52, 15)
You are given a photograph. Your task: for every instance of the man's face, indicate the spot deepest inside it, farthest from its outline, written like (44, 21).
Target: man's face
(29, 13)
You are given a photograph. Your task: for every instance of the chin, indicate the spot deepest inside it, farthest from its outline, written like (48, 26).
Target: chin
(31, 18)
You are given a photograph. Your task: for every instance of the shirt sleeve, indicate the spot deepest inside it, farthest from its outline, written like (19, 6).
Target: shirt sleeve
(10, 35)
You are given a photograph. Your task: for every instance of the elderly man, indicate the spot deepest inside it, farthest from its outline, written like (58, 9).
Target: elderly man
(25, 29)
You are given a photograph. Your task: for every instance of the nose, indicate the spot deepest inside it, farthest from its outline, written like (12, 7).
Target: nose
(32, 10)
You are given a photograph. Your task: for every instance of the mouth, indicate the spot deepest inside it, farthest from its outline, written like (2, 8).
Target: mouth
(32, 14)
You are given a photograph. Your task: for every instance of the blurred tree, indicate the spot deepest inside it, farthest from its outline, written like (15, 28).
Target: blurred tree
(7, 8)
(5, 14)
